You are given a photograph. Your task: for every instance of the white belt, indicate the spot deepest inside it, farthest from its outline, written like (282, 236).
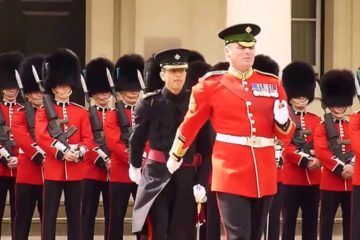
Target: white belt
(256, 142)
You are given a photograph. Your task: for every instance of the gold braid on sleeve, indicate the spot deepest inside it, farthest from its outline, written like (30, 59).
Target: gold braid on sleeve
(177, 150)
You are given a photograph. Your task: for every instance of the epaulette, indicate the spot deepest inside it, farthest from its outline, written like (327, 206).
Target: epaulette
(266, 73)
(213, 73)
(149, 94)
(78, 105)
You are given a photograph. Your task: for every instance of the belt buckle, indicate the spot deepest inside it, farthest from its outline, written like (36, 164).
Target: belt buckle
(254, 141)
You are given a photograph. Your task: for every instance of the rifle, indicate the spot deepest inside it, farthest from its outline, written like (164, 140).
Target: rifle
(334, 141)
(123, 121)
(54, 127)
(5, 140)
(298, 138)
(29, 109)
(96, 127)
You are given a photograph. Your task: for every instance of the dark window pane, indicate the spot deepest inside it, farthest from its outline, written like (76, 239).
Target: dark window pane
(303, 35)
(303, 9)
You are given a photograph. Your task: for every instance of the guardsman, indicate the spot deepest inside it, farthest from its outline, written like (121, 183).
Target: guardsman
(97, 162)
(152, 77)
(333, 149)
(65, 142)
(8, 150)
(166, 201)
(244, 172)
(354, 128)
(301, 173)
(29, 180)
(272, 232)
(128, 88)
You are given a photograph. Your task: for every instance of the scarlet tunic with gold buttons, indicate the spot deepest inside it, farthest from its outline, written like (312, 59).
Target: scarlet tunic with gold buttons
(60, 170)
(119, 152)
(354, 129)
(28, 171)
(240, 108)
(8, 109)
(293, 172)
(91, 171)
(331, 179)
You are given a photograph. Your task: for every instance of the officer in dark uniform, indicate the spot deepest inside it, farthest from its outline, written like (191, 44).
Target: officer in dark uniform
(167, 199)
(97, 163)
(29, 179)
(8, 155)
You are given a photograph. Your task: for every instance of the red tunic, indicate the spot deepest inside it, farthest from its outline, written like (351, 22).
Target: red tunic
(91, 171)
(354, 129)
(293, 173)
(119, 152)
(8, 112)
(55, 169)
(238, 169)
(27, 171)
(329, 180)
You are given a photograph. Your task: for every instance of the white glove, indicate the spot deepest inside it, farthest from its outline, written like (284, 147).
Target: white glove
(199, 193)
(281, 111)
(135, 174)
(173, 165)
(12, 162)
(302, 154)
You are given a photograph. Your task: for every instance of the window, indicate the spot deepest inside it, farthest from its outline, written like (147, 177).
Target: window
(305, 31)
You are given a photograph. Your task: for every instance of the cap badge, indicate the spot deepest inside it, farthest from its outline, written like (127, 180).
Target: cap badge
(248, 29)
(177, 56)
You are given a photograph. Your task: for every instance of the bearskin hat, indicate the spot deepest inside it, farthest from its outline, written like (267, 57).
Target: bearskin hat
(195, 71)
(152, 77)
(337, 88)
(195, 56)
(266, 64)
(8, 63)
(299, 80)
(96, 77)
(220, 66)
(61, 67)
(125, 72)
(26, 73)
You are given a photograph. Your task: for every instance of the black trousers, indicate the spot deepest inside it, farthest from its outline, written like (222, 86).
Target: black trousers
(243, 217)
(306, 198)
(51, 200)
(355, 213)
(272, 229)
(211, 229)
(119, 199)
(330, 201)
(173, 214)
(28, 196)
(92, 189)
(7, 184)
